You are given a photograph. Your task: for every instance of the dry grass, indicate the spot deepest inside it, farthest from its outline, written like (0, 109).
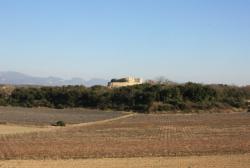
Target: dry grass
(226, 161)
(17, 129)
(137, 136)
(46, 116)
(10, 129)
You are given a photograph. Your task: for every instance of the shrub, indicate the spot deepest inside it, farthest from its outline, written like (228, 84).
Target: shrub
(59, 106)
(143, 98)
(166, 107)
(141, 108)
(59, 123)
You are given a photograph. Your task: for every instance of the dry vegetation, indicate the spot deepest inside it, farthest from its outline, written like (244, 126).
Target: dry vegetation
(136, 136)
(46, 116)
(17, 129)
(235, 161)
(139, 140)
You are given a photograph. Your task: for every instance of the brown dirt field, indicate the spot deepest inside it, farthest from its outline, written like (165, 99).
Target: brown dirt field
(47, 116)
(226, 161)
(10, 129)
(136, 136)
(17, 129)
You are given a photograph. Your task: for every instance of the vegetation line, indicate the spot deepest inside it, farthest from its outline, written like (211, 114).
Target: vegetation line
(140, 98)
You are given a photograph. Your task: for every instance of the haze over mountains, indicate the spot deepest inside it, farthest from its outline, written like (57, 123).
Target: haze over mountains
(16, 78)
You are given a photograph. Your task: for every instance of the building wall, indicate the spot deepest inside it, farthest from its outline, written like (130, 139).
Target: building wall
(130, 82)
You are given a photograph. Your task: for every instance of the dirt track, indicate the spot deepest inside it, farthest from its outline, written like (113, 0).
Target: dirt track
(19, 129)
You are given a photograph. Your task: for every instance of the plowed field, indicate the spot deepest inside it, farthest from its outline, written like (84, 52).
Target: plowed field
(136, 136)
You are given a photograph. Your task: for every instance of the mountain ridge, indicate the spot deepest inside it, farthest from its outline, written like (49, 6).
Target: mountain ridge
(17, 78)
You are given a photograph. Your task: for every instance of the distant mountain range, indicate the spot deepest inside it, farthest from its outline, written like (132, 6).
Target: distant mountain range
(16, 78)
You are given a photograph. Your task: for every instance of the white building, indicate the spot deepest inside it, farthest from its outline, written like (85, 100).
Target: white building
(129, 81)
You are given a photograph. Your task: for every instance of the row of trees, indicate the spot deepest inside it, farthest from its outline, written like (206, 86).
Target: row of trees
(142, 98)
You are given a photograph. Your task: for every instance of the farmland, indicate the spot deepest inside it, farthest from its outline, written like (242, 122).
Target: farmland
(218, 161)
(218, 136)
(47, 116)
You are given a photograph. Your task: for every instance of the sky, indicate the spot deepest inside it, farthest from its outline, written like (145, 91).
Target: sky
(206, 41)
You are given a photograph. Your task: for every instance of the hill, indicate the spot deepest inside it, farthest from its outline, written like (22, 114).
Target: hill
(16, 78)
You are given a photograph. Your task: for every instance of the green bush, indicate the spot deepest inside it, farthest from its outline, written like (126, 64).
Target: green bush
(166, 107)
(59, 123)
(141, 98)
(141, 108)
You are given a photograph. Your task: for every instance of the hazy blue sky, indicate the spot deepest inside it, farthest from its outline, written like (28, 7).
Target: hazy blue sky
(183, 40)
